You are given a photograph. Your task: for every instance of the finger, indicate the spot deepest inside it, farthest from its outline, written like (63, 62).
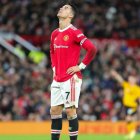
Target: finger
(69, 71)
(72, 72)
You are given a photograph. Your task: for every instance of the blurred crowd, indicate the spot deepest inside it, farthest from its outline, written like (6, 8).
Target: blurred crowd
(97, 18)
(101, 97)
(25, 86)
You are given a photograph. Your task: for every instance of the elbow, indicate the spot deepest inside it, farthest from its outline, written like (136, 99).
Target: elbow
(93, 50)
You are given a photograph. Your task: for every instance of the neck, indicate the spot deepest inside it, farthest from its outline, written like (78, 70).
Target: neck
(64, 23)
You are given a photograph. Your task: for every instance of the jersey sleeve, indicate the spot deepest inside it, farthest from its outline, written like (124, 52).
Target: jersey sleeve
(86, 44)
(52, 54)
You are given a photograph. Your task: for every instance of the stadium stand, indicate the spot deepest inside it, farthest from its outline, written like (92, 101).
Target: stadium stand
(25, 86)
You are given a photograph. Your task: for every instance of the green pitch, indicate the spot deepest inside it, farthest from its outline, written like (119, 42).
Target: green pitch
(64, 137)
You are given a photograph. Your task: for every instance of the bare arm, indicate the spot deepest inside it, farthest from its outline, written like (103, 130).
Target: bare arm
(117, 76)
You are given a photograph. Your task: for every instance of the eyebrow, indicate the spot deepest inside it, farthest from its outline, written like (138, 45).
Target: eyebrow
(68, 6)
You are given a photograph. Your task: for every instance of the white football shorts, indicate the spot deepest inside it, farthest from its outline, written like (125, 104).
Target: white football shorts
(66, 93)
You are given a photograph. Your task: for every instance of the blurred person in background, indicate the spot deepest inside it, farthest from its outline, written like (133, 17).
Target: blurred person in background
(66, 43)
(130, 101)
(111, 19)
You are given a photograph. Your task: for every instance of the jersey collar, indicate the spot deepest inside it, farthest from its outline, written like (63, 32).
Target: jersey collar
(65, 28)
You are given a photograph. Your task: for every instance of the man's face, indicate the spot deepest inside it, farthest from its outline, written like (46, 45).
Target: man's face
(132, 80)
(65, 12)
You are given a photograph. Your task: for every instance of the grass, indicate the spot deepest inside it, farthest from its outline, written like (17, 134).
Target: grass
(65, 137)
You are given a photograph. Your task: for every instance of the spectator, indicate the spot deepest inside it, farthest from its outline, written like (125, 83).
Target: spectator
(99, 18)
(25, 86)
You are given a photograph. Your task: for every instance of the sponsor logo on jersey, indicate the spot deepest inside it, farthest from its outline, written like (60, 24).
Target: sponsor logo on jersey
(60, 46)
(66, 38)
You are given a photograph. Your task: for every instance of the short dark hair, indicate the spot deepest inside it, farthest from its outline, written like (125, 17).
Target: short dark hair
(71, 3)
(74, 7)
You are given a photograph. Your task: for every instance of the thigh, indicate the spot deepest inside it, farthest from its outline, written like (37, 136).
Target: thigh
(71, 91)
(56, 96)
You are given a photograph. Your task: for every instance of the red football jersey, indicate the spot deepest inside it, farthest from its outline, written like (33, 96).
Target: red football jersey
(65, 51)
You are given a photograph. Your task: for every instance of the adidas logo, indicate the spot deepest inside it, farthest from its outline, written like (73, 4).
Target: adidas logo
(67, 102)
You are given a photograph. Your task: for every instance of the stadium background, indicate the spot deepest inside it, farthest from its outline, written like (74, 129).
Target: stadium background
(113, 26)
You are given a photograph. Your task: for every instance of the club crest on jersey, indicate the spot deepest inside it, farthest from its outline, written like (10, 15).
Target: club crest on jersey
(66, 38)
